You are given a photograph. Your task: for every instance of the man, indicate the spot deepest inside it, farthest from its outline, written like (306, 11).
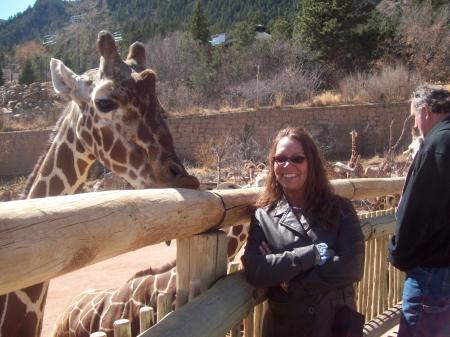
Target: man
(421, 245)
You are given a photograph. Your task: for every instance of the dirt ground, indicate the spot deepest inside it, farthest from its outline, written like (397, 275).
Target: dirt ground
(103, 275)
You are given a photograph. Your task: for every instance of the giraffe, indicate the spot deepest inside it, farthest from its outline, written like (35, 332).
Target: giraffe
(96, 310)
(416, 142)
(114, 117)
(353, 162)
(353, 168)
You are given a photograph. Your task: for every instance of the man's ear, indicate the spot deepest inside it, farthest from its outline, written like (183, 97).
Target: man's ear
(427, 111)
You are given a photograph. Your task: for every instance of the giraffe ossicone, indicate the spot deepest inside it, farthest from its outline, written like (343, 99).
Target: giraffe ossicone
(118, 118)
(114, 117)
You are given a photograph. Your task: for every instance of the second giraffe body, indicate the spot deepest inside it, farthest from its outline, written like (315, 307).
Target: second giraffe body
(97, 310)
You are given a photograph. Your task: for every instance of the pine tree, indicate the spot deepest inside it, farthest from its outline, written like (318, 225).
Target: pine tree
(243, 34)
(2, 61)
(199, 24)
(27, 75)
(280, 29)
(334, 29)
(2, 81)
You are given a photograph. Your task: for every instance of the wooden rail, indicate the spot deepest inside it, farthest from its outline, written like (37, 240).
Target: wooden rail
(91, 227)
(212, 313)
(231, 299)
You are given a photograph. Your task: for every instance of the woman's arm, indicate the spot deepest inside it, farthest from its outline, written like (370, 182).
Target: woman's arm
(266, 270)
(344, 268)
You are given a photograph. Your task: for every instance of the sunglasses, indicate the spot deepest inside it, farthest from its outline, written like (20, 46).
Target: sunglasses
(298, 159)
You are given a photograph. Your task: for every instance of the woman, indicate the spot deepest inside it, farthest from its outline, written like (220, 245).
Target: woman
(305, 243)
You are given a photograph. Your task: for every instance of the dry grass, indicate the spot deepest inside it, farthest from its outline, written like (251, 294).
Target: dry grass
(278, 100)
(392, 83)
(327, 98)
(204, 156)
(28, 123)
(11, 189)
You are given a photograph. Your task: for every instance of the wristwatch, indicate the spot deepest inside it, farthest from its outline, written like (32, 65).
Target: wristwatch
(321, 253)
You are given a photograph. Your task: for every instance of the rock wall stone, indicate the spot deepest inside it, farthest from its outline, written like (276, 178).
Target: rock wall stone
(330, 126)
(19, 151)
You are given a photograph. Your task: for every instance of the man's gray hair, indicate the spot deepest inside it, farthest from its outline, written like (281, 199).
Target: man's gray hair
(436, 98)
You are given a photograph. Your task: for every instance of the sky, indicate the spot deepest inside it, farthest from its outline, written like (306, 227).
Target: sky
(10, 7)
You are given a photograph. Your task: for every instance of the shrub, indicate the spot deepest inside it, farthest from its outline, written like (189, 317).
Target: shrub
(190, 75)
(391, 83)
(294, 84)
(326, 98)
(425, 35)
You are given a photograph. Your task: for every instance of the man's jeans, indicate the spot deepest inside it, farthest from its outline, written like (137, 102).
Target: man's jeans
(426, 303)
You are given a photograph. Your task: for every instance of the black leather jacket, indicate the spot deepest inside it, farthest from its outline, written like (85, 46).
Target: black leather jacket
(308, 307)
(422, 232)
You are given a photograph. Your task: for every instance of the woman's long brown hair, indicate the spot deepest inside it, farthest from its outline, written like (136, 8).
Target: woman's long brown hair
(319, 197)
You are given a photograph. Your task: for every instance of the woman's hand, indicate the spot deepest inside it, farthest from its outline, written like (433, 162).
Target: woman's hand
(265, 250)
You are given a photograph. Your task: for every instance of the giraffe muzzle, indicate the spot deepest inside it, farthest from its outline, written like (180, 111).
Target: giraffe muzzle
(182, 178)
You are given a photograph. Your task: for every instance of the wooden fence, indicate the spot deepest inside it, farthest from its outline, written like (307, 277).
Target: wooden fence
(91, 227)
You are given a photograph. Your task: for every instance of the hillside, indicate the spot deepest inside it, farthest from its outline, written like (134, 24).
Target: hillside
(143, 19)
(337, 47)
(136, 19)
(43, 18)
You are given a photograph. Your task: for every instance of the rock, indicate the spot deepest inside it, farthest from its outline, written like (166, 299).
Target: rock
(31, 100)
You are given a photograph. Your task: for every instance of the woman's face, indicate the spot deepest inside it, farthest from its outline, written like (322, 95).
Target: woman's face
(291, 166)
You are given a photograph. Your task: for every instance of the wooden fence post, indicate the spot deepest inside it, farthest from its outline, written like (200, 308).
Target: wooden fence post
(258, 320)
(182, 297)
(234, 267)
(194, 289)
(98, 334)
(122, 328)
(248, 324)
(202, 257)
(146, 315)
(164, 305)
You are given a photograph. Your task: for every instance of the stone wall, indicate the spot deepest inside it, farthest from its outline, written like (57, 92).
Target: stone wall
(20, 150)
(330, 126)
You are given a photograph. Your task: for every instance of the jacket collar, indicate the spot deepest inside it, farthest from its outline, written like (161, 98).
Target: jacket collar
(440, 126)
(289, 219)
(281, 207)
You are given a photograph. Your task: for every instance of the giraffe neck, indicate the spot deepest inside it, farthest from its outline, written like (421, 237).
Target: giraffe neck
(65, 166)
(237, 236)
(21, 312)
(354, 155)
(62, 171)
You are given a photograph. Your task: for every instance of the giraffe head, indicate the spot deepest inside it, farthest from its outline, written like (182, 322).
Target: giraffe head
(119, 119)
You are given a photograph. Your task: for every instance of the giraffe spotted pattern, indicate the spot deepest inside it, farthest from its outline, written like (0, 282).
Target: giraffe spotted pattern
(96, 310)
(114, 117)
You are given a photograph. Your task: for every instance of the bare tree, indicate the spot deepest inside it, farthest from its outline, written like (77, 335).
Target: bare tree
(220, 149)
(426, 38)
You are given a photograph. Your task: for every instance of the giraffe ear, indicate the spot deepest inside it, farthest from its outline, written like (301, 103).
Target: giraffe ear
(65, 81)
(136, 56)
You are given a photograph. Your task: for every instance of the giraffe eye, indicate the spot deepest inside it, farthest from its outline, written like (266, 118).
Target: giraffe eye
(106, 105)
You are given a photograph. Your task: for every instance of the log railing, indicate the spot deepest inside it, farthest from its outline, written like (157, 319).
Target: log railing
(88, 228)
